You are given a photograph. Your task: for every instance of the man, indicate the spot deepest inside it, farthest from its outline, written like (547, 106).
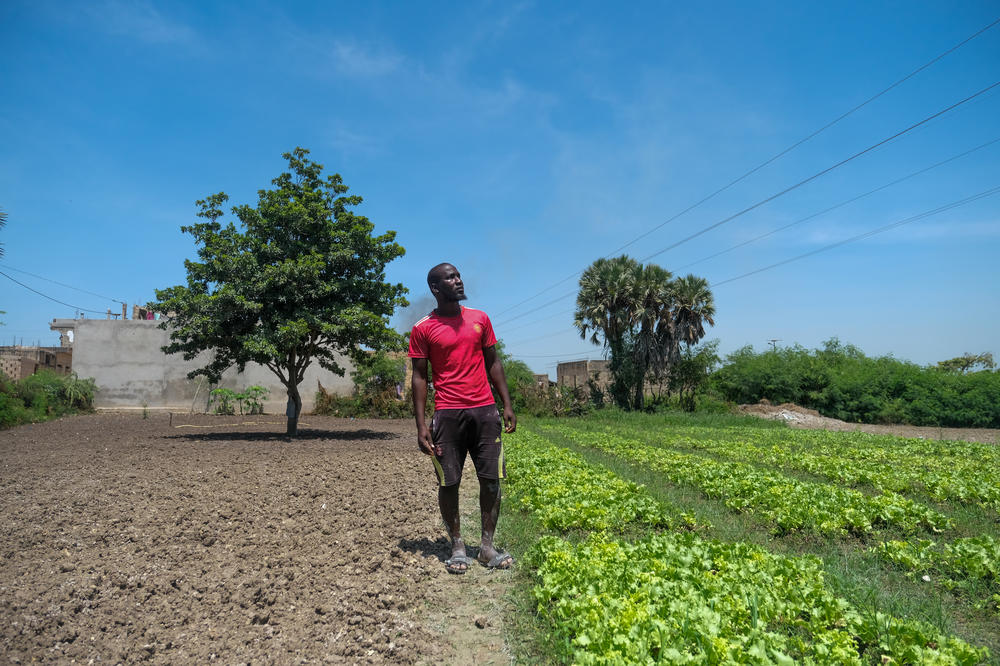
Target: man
(461, 347)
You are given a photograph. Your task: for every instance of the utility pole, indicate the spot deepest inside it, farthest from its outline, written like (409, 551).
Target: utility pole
(774, 343)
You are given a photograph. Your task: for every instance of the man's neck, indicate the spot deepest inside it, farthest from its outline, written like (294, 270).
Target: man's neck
(448, 309)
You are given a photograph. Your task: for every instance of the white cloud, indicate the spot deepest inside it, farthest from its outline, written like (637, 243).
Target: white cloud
(353, 59)
(140, 20)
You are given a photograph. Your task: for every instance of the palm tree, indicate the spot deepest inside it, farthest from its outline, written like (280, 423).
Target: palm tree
(620, 304)
(694, 305)
(605, 300)
(604, 309)
(652, 298)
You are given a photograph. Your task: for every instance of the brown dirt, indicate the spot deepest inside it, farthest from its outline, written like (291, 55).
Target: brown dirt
(800, 417)
(214, 539)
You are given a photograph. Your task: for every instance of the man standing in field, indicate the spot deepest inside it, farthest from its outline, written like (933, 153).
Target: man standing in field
(461, 347)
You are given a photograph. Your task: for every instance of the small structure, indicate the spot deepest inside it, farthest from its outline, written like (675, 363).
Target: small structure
(576, 374)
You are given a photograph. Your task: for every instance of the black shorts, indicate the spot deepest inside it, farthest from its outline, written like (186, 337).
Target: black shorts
(461, 432)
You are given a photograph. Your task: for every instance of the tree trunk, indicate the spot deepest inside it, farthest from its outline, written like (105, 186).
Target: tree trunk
(292, 410)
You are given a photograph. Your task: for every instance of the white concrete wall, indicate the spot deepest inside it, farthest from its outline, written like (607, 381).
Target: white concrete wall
(125, 360)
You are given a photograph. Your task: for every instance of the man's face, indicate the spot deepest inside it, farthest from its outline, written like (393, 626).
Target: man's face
(449, 284)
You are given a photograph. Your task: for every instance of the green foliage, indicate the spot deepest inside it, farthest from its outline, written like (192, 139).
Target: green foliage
(677, 598)
(642, 317)
(967, 362)
(959, 565)
(680, 598)
(692, 370)
(227, 401)
(224, 400)
(42, 396)
(966, 472)
(301, 281)
(564, 492)
(252, 399)
(841, 382)
(376, 395)
(785, 503)
(531, 398)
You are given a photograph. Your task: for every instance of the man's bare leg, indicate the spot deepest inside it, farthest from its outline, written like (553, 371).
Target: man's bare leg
(448, 501)
(489, 507)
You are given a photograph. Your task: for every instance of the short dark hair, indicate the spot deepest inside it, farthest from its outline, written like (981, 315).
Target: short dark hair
(432, 279)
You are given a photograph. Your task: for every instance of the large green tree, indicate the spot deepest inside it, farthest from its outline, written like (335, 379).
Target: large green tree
(642, 316)
(301, 280)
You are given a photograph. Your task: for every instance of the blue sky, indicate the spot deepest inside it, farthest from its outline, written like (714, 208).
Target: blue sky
(521, 141)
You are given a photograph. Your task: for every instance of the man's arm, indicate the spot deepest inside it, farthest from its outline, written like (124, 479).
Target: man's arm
(418, 386)
(494, 368)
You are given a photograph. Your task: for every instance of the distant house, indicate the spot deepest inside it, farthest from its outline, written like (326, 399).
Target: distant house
(576, 374)
(18, 362)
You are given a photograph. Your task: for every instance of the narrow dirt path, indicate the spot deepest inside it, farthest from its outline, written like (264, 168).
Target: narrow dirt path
(214, 539)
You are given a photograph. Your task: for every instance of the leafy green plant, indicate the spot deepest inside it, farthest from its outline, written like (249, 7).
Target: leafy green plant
(42, 396)
(675, 597)
(784, 502)
(252, 399)
(224, 400)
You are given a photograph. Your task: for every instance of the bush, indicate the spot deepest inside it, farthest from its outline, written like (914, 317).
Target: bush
(42, 396)
(250, 401)
(841, 382)
(376, 391)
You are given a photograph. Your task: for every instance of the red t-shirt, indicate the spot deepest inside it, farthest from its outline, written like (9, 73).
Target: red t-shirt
(454, 346)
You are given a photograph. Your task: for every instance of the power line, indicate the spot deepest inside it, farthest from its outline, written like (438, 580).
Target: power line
(570, 357)
(784, 191)
(69, 305)
(62, 284)
(536, 309)
(770, 160)
(840, 205)
(821, 173)
(811, 136)
(867, 234)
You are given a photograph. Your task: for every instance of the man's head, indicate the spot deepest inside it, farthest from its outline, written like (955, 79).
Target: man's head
(446, 284)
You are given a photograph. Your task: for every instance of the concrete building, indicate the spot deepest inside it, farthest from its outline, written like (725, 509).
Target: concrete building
(125, 360)
(18, 362)
(575, 374)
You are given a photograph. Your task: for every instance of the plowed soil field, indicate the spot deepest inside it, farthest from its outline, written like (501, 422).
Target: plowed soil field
(196, 538)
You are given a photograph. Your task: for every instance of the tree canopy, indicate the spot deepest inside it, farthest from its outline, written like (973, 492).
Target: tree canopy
(641, 315)
(967, 362)
(302, 279)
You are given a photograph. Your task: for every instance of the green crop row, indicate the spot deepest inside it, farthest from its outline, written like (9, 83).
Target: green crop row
(676, 598)
(958, 565)
(786, 504)
(563, 492)
(960, 475)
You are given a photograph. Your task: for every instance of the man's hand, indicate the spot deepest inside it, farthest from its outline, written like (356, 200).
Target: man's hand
(426, 442)
(509, 420)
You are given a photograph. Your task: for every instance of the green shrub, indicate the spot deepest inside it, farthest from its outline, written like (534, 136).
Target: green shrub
(224, 400)
(42, 396)
(841, 382)
(252, 399)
